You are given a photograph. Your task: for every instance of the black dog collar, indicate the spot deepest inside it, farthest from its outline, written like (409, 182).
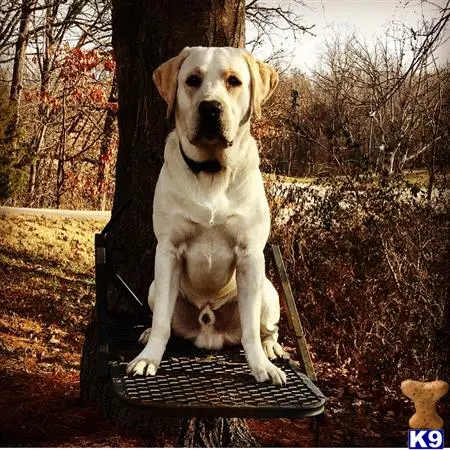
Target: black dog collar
(208, 166)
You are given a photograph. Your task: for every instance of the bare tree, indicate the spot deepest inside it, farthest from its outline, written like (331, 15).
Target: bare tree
(18, 69)
(109, 129)
(10, 12)
(265, 19)
(380, 104)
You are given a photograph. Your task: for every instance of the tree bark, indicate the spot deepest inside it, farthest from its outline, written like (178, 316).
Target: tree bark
(105, 147)
(145, 34)
(36, 147)
(18, 67)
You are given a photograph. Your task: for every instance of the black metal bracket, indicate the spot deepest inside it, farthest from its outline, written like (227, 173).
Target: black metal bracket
(104, 275)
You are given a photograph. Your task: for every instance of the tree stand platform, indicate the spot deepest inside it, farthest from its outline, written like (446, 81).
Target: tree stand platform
(190, 382)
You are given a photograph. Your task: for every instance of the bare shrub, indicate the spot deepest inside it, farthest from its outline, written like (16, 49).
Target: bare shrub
(368, 260)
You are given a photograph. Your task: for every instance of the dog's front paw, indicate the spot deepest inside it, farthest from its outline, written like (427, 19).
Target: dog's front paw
(143, 365)
(148, 361)
(265, 370)
(274, 350)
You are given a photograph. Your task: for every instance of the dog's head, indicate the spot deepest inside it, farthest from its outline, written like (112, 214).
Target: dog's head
(213, 91)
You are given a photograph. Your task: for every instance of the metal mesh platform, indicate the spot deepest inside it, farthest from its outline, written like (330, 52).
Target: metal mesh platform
(192, 382)
(214, 384)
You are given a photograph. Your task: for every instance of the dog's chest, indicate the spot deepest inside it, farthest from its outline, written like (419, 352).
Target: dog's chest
(211, 213)
(209, 253)
(210, 245)
(209, 266)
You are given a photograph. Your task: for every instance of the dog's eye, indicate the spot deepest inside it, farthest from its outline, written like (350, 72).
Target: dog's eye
(194, 81)
(234, 81)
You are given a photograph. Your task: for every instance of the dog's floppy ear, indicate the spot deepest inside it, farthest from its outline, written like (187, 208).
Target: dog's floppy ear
(165, 78)
(264, 80)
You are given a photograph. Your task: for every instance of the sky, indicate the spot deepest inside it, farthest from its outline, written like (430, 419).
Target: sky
(368, 18)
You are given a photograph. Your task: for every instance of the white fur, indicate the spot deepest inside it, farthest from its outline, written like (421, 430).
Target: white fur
(212, 229)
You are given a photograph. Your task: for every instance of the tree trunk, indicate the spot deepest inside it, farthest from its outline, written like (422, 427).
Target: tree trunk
(60, 172)
(145, 34)
(36, 150)
(105, 147)
(44, 110)
(32, 178)
(290, 157)
(18, 67)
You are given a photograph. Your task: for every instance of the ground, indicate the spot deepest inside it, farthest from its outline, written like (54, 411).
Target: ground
(46, 298)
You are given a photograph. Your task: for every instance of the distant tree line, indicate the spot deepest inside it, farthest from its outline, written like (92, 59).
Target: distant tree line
(375, 108)
(363, 107)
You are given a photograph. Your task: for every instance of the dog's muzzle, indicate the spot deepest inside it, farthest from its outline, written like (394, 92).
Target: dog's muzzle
(210, 130)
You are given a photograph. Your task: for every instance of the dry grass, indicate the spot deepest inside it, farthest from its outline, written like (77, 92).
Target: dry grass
(46, 297)
(50, 238)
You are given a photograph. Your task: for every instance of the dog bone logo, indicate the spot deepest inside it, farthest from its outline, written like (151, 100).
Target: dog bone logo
(425, 395)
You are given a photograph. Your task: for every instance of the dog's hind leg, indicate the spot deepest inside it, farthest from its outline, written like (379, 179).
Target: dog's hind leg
(270, 316)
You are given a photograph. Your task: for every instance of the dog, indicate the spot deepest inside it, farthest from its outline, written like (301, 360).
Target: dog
(210, 214)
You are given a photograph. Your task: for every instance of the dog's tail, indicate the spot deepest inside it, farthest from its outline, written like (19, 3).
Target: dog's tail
(206, 317)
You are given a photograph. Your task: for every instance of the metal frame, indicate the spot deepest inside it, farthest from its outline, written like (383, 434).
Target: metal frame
(105, 274)
(293, 317)
(159, 409)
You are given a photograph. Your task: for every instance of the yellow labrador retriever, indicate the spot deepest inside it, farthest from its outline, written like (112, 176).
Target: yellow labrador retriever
(210, 214)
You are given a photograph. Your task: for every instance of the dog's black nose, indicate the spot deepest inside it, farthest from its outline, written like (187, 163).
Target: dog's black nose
(210, 109)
